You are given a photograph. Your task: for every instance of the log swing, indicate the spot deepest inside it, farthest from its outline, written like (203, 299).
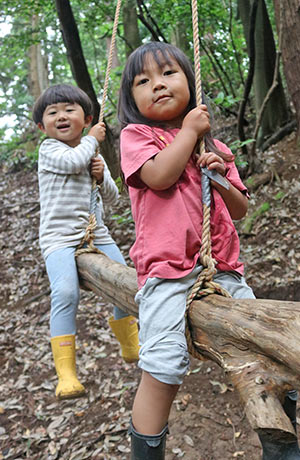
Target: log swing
(256, 342)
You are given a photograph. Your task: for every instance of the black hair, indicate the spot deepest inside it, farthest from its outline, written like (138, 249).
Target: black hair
(162, 52)
(61, 93)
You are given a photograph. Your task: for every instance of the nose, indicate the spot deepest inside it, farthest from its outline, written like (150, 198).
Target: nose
(158, 84)
(61, 115)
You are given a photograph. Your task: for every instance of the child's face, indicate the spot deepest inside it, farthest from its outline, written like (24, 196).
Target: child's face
(161, 93)
(64, 121)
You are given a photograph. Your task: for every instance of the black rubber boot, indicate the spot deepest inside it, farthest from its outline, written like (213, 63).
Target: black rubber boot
(279, 450)
(145, 447)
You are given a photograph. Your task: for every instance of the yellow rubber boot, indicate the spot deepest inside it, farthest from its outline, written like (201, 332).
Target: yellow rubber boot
(126, 332)
(63, 349)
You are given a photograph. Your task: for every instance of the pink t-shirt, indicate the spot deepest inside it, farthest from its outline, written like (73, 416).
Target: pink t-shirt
(168, 222)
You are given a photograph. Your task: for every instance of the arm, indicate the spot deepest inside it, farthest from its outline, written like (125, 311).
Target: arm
(235, 201)
(163, 170)
(58, 158)
(108, 189)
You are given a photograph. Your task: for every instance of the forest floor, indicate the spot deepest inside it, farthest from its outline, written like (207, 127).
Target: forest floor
(207, 421)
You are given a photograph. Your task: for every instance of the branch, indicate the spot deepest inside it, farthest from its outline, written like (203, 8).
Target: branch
(256, 342)
(280, 134)
(222, 69)
(208, 54)
(233, 43)
(268, 95)
(250, 75)
(155, 34)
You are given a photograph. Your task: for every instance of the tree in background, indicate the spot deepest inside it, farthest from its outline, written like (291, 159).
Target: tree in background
(82, 77)
(82, 57)
(131, 27)
(276, 113)
(38, 65)
(288, 18)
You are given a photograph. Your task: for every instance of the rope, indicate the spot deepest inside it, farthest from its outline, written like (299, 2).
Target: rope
(89, 236)
(204, 285)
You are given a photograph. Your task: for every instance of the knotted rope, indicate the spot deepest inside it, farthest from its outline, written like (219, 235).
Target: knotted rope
(204, 284)
(88, 239)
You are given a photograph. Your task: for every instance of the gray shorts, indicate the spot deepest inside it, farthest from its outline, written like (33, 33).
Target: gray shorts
(162, 305)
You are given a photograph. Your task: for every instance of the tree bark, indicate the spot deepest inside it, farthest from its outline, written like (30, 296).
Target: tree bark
(265, 58)
(289, 14)
(131, 29)
(38, 71)
(249, 80)
(82, 77)
(256, 342)
(179, 37)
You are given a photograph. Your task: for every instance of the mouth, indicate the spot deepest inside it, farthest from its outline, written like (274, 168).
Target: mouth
(63, 126)
(162, 97)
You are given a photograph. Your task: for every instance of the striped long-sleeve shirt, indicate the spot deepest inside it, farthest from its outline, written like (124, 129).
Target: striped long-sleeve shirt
(65, 187)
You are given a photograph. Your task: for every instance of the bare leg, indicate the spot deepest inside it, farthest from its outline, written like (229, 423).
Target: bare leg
(152, 405)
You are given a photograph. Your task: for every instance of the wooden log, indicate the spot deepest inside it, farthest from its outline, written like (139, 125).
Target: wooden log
(256, 342)
(114, 282)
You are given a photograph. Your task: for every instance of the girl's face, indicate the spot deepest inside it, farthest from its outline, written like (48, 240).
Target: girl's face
(161, 93)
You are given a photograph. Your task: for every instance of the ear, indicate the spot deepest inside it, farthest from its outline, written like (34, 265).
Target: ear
(41, 127)
(88, 120)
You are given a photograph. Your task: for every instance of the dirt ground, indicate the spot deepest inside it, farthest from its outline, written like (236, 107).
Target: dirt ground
(207, 421)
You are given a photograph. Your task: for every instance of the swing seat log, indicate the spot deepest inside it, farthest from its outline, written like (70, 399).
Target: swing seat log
(256, 342)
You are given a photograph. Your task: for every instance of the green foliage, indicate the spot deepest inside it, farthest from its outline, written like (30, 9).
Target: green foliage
(224, 100)
(15, 153)
(123, 219)
(235, 147)
(119, 184)
(279, 196)
(224, 58)
(249, 221)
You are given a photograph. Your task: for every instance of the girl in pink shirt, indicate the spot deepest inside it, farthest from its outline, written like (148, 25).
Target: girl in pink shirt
(161, 129)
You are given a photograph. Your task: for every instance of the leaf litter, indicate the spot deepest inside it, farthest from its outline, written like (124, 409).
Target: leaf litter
(206, 421)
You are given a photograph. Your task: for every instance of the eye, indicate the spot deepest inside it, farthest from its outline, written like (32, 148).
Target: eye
(52, 112)
(142, 81)
(169, 72)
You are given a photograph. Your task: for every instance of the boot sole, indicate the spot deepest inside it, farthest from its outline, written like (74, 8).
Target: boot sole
(71, 395)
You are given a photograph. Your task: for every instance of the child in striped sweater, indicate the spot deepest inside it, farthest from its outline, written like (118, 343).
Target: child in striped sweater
(66, 165)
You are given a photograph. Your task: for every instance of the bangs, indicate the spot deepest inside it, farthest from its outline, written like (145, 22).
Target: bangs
(61, 93)
(161, 57)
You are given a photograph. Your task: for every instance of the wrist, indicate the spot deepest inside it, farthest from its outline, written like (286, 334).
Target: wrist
(189, 133)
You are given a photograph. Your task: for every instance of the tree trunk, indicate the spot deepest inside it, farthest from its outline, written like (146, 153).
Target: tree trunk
(82, 77)
(290, 17)
(115, 60)
(130, 24)
(256, 342)
(38, 72)
(179, 37)
(265, 58)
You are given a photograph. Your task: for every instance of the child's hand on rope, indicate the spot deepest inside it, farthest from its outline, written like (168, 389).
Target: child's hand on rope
(212, 161)
(98, 131)
(97, 169)
(197, 120)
